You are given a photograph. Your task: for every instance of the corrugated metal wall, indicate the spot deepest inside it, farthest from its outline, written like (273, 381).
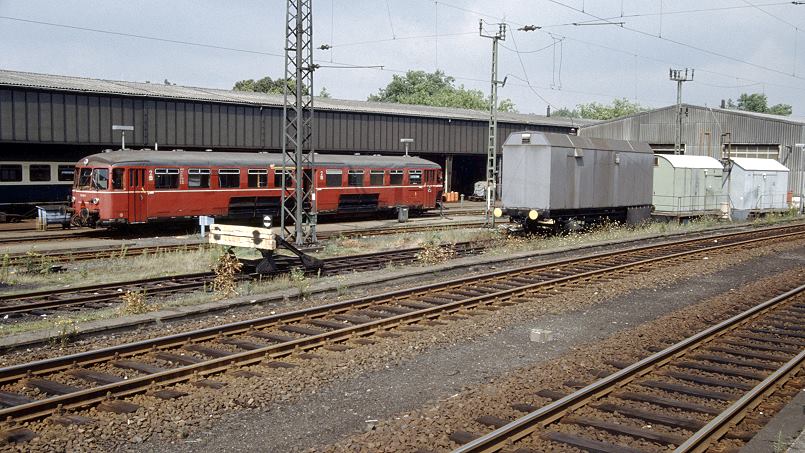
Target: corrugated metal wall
(50, 117)
(701, 134)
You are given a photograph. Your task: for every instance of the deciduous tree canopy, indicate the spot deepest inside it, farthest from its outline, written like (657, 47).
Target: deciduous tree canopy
(436, 89)
(596, 111)
(264, 85)
(758, 102)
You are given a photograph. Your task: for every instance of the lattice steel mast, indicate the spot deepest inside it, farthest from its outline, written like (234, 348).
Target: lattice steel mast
(299, 206)
(491, 151)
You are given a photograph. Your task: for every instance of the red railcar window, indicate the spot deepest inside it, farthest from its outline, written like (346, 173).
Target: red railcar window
(278, 174)
(355, 178)
(198, 178)
(395, 177)
(229, 178)
(84, 177)
(415, 177)
(100, 179)
(39, 172)
(117, 178)
(333, 177)
(166, 178)
(258, 178)
(376, 177)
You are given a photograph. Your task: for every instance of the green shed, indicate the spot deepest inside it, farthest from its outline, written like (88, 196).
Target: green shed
(686, 186)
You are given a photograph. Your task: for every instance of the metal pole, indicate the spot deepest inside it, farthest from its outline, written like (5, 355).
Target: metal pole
(297, 145)
(491, 151)
(123, 139)
(679, 76)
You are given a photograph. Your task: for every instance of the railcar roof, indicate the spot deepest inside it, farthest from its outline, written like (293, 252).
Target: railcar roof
(222, 159)
(574, 141)
(758, 164)
(688, 161)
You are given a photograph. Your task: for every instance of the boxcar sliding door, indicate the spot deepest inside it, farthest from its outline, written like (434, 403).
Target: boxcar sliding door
(138, 199)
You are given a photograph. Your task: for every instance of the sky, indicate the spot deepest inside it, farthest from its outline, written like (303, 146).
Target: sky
(624, 50)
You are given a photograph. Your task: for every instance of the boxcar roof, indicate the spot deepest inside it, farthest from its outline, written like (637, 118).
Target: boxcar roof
(223, 159)
(574, 141)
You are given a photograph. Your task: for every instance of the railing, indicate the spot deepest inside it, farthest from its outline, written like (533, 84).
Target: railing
(691, 203)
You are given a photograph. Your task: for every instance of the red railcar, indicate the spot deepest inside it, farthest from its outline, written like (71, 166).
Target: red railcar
(129, 187)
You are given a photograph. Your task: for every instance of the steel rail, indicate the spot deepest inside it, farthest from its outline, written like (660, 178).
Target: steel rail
(719, 426)
(504, 436)
(21, 302)
(90, 357)
(86, 397)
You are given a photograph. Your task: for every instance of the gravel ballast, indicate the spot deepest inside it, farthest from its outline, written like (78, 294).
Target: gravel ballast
(326, 398)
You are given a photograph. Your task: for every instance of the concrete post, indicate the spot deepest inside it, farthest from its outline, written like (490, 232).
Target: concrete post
(448, 173)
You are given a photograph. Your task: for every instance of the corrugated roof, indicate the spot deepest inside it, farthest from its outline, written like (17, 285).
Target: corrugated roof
(686, 161)
(574, 141)
(755, 164)
(158, 90)
(764, 116)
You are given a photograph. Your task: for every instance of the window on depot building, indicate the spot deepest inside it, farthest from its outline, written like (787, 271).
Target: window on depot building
(376, 177)
(39, 172)
(395, 177)
(198, 178)
(166, 178)
(333, 177)
(229, 178)
(258, 178)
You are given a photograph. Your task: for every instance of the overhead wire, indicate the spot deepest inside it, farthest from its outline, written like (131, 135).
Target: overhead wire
(623, 51)
(683, 44)
(147, 37)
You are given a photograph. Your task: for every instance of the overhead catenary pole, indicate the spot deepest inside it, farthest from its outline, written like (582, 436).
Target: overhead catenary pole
(679, 77)
(491, 151)
(298, 200)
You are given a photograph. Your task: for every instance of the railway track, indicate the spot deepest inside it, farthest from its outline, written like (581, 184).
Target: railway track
(91, 253)
(104, 295)
(105, 377)
(118, 251)
(687, 396)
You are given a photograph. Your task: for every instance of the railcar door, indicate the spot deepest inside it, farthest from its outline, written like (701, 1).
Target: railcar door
(138, 198)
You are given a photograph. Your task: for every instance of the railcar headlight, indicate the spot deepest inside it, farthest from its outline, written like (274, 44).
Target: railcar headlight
(533, 214)
(72, 199)
(96, 200)
(498, 212)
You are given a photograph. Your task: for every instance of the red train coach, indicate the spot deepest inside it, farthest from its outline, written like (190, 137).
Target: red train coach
(129, 187)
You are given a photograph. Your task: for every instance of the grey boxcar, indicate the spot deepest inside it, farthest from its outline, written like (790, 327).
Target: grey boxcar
(564, 181)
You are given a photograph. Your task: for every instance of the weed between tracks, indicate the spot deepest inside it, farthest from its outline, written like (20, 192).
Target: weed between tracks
(122, 266)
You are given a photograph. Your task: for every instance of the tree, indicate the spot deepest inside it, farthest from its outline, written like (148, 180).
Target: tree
(435, 89)
(324, 93)
(758, 102)
(265, 85)
(595, 111)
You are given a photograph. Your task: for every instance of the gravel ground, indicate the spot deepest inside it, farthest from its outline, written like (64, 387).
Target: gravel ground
(426, 367)
(344, 286)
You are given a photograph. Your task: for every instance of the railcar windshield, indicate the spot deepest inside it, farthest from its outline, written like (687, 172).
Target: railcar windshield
(83, 178)
(100, 179)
